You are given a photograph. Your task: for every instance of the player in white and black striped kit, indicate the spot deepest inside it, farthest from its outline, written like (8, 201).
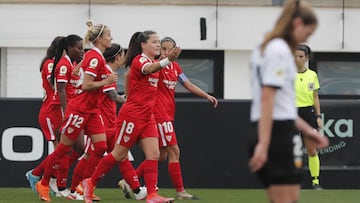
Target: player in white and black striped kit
(276, 148)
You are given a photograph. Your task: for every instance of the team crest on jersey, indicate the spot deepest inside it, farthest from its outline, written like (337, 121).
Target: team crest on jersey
(126, 138)
(93, 63)
(50, 67)
(168, 138)
(311, 86)
(63, 70)
(70, 130)
(142, 59)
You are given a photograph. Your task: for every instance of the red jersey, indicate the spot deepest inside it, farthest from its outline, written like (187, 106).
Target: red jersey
(165, 105)
(106, 105)
(47, 88)
(93, 64)
(64, 74)
(142, 90)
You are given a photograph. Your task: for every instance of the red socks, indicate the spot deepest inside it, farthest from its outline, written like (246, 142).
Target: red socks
(95, 157)
(103, 167)
(140, 170)
(39, 170)
(78, 173)
(53, 162)
(128, 173)
(176, 176)
(62, 172)
(151, 175)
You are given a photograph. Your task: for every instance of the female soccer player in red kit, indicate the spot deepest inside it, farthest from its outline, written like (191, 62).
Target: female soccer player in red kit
(136, 118)
(82, 112)
(115, 58)
(45, 122)
(165, 114)
(69, 53)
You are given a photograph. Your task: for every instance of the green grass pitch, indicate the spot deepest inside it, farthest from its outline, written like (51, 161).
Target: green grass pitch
(26, 195)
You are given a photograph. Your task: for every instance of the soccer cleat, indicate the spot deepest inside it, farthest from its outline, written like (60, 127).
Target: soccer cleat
(53, 187)
(32, 179)
(80, 189)
(156, 198)
(317, 187)
(142, 194)
(96, 198)
(64, 193)
(185, 195)
(75, 196)
(125, 188)
(88, 190)
(43, 192)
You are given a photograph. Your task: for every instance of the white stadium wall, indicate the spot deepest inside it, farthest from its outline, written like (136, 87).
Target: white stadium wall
(26, 31)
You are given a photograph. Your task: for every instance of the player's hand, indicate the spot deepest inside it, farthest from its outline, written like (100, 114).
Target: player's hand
(111, 78)
(259, 158)
(213, 100)
(174, 53)
(318, 139)
(319, 123)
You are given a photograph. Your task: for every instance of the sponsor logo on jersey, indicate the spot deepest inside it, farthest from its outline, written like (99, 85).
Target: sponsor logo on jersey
(170, 84)
(153, 81)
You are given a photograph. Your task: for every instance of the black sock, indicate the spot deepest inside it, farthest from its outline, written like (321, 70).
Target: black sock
(61, 188)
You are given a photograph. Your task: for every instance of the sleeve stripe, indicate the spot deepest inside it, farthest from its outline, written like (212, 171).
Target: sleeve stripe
(142, 69)
(62, 80)
(90, 73)
(109, 89)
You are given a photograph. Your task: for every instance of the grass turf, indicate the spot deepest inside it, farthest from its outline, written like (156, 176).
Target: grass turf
(26, 195)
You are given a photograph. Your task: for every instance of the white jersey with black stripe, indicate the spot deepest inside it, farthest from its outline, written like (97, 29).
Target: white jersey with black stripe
(274, 67)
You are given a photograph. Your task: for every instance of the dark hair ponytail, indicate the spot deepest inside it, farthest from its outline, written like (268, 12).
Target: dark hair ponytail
(58, 55)
(51, 51)
(134, 49)
(64, 44)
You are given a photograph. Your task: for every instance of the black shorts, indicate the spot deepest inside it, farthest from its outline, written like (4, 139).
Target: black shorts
(285, 155)
(309, 115)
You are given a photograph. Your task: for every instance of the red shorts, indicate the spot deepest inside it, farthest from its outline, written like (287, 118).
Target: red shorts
(75, 121)
(50, 121)
(166, 132)
(131, 130)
